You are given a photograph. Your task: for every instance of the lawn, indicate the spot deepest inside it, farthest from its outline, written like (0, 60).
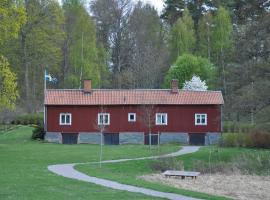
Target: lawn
(24, 173)
(128, 172)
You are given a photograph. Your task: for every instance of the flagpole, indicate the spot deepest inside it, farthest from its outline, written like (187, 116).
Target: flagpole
(44, 111)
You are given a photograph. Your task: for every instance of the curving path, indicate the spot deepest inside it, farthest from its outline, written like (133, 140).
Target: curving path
(67, 170)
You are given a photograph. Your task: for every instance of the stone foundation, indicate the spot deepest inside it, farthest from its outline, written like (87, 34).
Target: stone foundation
(174, 137)
(89, 138)
(212, 138)
(54, 137)
(131, 138)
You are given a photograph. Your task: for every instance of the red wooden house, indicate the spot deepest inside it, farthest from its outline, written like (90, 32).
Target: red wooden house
(128, 116)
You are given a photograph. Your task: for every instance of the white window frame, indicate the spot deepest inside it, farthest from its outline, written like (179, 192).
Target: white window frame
(65, 122)
(132, 120)
(103, 114)
(166, 118)
(199, 116)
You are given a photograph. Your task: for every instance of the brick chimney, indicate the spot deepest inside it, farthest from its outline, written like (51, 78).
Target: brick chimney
(87, 86)
(174, 86)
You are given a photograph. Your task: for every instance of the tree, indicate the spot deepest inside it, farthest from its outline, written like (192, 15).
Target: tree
(148, 52)
(12, 17)
(80, 49)
(182, 37)
(195, 84)
(8, 86)
(111, 17)
(205, 33)
(188, 65)
(175, 8)
(222, 42)
(38, 47)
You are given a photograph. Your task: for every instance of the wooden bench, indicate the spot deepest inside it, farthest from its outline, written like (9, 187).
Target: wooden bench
(182, 174)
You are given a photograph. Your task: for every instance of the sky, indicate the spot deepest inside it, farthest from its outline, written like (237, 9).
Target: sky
(158, 4)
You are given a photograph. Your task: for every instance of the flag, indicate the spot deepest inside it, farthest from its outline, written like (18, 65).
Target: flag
(49, 78)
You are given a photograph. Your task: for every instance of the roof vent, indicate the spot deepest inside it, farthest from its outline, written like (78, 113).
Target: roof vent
(174, 86)
(87, 86)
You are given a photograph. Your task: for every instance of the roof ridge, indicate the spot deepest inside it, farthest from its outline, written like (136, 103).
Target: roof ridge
(214, 91)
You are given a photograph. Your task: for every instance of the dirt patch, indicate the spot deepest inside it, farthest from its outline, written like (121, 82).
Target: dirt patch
(242, 187)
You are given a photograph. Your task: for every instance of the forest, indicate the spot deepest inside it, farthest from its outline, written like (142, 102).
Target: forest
(129, 44)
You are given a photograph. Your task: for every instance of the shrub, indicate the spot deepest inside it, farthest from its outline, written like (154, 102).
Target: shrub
(29, 119)
(164, 164)
(38, 133)
(256, 139)
(260, 139)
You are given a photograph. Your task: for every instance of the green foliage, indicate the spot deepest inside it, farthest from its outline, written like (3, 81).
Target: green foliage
(222, 31)
(8, 86)
(38, 133)
(29, 119)
(205, 34)
(182, 36)
(254, 139)
(12, 15)
(80, 47)
(188, 65)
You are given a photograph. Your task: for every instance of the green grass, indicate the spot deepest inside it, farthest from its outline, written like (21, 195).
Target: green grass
(128, 172)
(24, 173)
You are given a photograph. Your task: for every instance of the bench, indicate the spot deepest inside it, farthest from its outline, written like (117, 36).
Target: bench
(182, 174)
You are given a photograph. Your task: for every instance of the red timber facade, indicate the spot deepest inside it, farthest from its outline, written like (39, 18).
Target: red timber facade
(128, 116)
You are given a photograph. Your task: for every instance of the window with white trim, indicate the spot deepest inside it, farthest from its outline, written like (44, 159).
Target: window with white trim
(103, 119)
(200, 119)
(65, 119)
(132, 117)
(161, 118)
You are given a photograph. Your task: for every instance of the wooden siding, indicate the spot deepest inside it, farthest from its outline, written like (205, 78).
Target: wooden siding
(181, 118)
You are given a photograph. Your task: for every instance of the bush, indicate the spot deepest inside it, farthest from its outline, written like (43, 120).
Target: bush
(38, 133)
(164, 164)
(29, 119)
(256, 139)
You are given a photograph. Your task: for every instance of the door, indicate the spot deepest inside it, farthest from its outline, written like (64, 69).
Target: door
(197, 138)
(154, 139)
(111, 138)
(69, 138)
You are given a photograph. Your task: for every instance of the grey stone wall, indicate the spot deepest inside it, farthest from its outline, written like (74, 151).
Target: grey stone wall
(131, 138)
(212, 138)
(54, 137)
(89, 138)
(170, 137)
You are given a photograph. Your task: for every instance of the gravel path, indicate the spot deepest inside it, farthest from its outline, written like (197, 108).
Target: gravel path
(67, 170)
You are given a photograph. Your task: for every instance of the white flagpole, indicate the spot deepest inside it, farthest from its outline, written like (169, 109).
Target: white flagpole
(44, 111)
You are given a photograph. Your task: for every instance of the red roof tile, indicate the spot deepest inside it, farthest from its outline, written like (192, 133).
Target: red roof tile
(132, 97)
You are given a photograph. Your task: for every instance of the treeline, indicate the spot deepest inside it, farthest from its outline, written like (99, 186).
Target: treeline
(121, 44)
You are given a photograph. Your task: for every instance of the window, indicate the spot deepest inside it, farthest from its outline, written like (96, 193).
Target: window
(65, 119)
(161, 119)
(132, 117)
(200, 119)
(103, 118)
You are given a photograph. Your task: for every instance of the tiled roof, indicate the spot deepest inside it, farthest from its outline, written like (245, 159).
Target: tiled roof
(132, 97)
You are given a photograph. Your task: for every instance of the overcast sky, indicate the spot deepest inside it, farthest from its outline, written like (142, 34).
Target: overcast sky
(158, 4)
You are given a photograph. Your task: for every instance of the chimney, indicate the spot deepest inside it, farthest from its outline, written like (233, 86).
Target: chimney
(174, 86)
(87, 86)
